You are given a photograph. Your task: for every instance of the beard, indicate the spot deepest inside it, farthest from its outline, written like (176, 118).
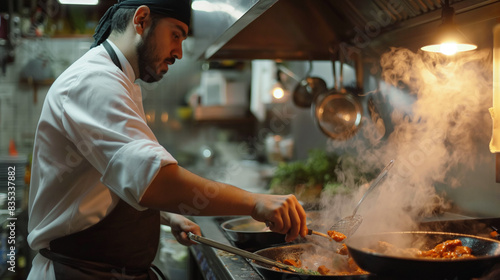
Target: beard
(147, 59)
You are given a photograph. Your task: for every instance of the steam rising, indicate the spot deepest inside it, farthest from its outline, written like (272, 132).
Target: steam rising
(439, 121)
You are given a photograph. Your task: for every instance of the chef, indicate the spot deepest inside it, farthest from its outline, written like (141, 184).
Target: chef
(101, 183)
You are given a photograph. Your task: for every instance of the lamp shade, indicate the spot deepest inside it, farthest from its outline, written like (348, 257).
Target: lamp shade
(448, 38)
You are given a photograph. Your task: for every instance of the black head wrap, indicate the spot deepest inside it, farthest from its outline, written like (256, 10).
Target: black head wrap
(178, 9)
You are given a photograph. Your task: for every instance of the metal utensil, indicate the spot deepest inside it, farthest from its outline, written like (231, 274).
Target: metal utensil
(310, 232)
(246, 254)
(348, 225)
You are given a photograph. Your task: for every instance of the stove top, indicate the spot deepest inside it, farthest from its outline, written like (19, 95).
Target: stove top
(235, 267)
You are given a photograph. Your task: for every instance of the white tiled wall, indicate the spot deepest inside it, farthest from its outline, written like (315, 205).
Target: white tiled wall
(18, 111)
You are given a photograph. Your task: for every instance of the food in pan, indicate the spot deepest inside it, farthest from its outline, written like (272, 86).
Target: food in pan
(323, 269)
(296, 263)
(449, 249)
(335, 235)
(343, 250)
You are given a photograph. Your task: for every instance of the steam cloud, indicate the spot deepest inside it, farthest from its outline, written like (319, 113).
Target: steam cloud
(439, 122)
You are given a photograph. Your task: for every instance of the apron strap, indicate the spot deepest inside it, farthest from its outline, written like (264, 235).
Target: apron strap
(112, 54)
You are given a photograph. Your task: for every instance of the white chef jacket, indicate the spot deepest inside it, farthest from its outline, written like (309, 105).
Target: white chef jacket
(92, 147)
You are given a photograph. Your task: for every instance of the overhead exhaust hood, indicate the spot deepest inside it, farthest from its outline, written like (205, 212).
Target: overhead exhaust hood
(304, 29)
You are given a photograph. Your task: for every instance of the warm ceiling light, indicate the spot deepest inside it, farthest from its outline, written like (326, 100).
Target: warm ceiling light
(449, 39)
(278, 92)
(79, 2)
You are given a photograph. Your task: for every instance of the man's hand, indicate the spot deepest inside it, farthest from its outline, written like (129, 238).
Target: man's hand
(180, 226)
(282, 214)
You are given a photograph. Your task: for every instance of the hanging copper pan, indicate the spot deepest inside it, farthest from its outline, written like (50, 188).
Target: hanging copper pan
(338, 112)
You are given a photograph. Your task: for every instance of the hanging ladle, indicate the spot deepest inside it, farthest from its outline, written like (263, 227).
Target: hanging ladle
(348, 225)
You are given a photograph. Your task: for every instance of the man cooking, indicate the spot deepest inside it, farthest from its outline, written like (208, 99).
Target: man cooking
(101, 183)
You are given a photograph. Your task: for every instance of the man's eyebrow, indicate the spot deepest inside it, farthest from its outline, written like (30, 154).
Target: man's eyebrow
(182, 31)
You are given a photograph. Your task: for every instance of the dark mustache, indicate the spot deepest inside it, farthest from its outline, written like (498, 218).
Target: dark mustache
(170, 60)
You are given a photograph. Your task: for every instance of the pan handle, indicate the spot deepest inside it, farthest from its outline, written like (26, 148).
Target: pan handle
(333, 54)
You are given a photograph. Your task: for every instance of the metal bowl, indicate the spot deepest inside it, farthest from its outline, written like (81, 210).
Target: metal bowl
(247, 233)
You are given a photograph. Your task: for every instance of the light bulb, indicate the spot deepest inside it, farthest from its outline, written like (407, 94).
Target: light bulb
(278, 92)
(448, 39)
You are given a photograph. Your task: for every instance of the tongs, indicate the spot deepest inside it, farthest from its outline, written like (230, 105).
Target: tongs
(248, 255)
(348, 225)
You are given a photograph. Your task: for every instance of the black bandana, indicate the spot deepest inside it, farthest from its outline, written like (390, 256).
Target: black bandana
(178, 9)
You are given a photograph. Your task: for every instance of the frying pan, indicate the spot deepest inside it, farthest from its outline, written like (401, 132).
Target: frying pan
(297, 251)
(485, 250)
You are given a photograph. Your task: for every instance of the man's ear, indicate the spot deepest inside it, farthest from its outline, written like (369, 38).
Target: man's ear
(140, 18)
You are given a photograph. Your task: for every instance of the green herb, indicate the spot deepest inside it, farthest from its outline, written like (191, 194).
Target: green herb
(306, 271)
(333, 173)
(317, 169)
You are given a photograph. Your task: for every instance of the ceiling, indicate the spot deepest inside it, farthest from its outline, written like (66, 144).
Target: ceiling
(305, 30)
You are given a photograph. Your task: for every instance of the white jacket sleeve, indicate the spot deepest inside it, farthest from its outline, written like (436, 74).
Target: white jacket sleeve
(106, 123)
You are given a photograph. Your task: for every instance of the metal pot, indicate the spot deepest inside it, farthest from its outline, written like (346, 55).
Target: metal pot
(485, 250)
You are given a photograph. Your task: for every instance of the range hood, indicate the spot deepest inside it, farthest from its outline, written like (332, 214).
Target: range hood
(305, 29)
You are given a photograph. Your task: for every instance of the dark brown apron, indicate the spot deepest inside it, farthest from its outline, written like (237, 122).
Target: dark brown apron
(123, 245)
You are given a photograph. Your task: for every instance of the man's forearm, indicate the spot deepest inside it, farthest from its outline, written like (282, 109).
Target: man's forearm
(177, 190)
